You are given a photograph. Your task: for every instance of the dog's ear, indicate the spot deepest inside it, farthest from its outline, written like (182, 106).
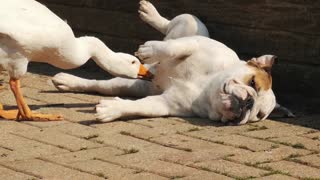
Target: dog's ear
(264, 62)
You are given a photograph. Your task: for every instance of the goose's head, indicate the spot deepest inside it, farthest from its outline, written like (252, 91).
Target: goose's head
(136, 70)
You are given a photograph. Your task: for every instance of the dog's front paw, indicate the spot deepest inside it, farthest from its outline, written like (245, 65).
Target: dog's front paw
(67, 82)
(110, 109)
(147, 52)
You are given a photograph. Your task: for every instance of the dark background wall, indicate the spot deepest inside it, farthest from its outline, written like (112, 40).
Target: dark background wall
(289, 29)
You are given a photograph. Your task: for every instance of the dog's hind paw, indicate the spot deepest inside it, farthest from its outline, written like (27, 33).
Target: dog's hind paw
(110, 109)
(148, 13)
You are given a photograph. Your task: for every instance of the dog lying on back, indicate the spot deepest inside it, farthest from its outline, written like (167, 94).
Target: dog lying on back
(193, 76)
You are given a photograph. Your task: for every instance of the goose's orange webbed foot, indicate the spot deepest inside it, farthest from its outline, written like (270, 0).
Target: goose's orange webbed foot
(24, 113)
(8, 115)
(39, 117)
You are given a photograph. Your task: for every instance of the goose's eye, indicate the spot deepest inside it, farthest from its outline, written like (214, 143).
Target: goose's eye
(252, 83)
(133, 62)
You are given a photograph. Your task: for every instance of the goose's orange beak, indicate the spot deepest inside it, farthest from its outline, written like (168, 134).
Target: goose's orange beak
(144, 73)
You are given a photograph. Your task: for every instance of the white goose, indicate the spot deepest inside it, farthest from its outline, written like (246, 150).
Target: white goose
(31, 32)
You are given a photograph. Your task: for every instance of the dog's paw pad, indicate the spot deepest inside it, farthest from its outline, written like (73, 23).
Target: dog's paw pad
(67, 82)
(110, 109)
(148, 12)
(145, 53)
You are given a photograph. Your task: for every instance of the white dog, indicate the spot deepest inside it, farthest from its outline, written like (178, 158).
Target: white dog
(194, 76)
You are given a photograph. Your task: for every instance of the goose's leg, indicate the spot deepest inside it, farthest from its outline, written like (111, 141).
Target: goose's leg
(10, 114)
(24, 110)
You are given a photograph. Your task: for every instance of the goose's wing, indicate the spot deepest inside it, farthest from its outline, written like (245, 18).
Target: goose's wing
(29, 22)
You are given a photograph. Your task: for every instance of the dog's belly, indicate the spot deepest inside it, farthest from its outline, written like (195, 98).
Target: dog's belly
(199, 65)
(168, 72)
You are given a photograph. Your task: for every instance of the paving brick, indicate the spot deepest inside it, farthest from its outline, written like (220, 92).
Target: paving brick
(70, 114)
(146, 128)
(299, 142)
(276, 177)
(144, 176)
(36, 81)
(231, 169)
(117, 127)
(123, 141)
(234, 140)
(268, 124)
(9, 102)
(294, 169)
(314, 136)
(197, 121)
(225, 130)
(13, 126)
(206, 175)
(90, 154)
(313, 160)
(149, 161)
(52, 98)
(76, 129)
(155, 166)
(191, 144)
(46, 124)
(187, 158)
(103, 169)
(137, 129)
(10, 174)
(93, 98)
(167, 124)
(49, 170)
(278, 132)
(59, 139)
(275, 154)
(18, 148)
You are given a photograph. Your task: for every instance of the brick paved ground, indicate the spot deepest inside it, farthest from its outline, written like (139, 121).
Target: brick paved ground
(160, 148)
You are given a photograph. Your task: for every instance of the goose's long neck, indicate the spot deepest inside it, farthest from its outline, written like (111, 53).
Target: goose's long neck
(99, 52)
(105, 57)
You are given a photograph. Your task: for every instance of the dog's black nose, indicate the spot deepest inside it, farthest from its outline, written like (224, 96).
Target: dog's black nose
(249, 102)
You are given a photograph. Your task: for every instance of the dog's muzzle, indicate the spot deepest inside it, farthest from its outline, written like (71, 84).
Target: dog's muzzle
(244, 107)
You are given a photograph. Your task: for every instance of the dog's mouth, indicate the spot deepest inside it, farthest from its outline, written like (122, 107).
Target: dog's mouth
(241, 108)
(245, 110)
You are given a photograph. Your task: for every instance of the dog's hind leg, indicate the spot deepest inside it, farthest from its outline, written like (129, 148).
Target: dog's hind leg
(181, 26)
(151, 106)
(186, 25)
(149, 14)
(112, 87)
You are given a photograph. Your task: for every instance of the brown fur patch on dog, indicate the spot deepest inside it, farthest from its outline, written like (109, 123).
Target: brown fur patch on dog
(262, 79)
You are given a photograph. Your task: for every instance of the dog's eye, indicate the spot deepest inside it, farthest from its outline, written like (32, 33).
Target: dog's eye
(261, 115)
(252, 83)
